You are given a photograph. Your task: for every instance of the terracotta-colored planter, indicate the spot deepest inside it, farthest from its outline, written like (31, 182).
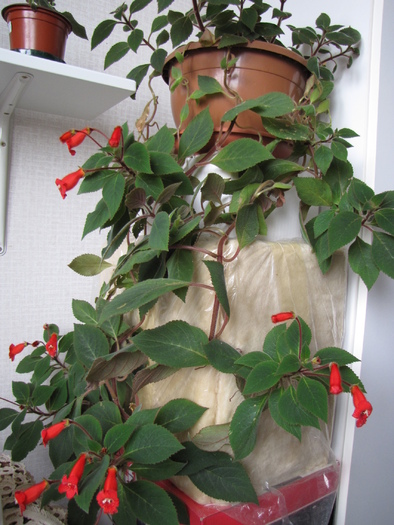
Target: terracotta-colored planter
(40, 32)
(261, 68)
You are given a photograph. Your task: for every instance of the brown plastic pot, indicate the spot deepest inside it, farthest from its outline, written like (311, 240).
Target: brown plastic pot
(39, 32)
(261, 68)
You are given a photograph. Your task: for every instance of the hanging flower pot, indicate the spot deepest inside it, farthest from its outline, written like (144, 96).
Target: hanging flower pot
(254, 70)
(39, 32)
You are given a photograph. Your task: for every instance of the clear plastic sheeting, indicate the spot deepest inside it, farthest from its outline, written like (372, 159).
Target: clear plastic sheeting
(307, 500)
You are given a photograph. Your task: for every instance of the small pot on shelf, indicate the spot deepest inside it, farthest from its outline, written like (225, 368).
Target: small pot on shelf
(39, 32)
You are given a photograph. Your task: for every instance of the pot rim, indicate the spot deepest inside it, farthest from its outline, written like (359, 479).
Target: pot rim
(26, 7)
(257, 45)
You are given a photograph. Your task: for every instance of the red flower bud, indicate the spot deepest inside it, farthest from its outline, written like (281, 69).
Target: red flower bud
(25, 497)
(362, 407)
(283, 316)
(51, 345)
(74, 138)
(108, 497)
(69, 484)
(115, 137)
(16, 349)
(53, 431)
(335, 379)
(69, 181)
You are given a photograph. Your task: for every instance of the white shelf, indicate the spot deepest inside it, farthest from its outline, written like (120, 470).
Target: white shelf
(62, 89)
(46, 86)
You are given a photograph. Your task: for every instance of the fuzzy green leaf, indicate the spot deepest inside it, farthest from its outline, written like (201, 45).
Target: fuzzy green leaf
(160, 232)
(88, 265)
(385, 219)
(176, 344)
(216, 271)
(102, 31)
(247, 225)
(383, 252)
(339, 356)
(179, 415)
(361, 262)
(89, 344)
(117, 51)
(313, 397)
(113, 191)
(137, 157)
(139, 295)
(222, 356)
(273, 405)
(196, 135)
(314, 192)
(262, 377)
(240, 155)
(244, 425)
(151, 443)
(343, 229)
(116, 437)
(293, 412)
(84, 312)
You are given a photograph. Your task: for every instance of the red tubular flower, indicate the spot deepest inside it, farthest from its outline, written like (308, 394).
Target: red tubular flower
(362, 407)
(115, 137)
(74, 138)
(69, 484)
(16, 349)
(108, 497)
(335, 379)
(282, 316)
(53, 431)
(51, 345)
(69, 181)
(25, 497)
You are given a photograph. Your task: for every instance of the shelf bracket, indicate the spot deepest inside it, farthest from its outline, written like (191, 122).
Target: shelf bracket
(8, 102)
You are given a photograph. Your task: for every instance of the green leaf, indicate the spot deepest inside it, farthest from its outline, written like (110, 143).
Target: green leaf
(270, 344)
(80, 439)
(139, 295)
(385, 219)
(41, 394)
(157, 60)
(222, 356)
(240, 155)
(216, 271)
(228, 482)
(102, 31)
(21, 392)
(115, 366)
(180, 265)
(322, 222)
(273, 405)
(138, 73)
(116, 437)
(213, 188)
(314, 192)
(88, 265)
(383, 252)
(244, 426)
(289, 364)
(343, 229)
(135, 39)
(107, 413)
(97, 218)
(159, 471)
(361, 262)
(181, 29)
(163, 141)
(160, 232)
(247, 224)
(89, 344)
(137, 158)
(323, 157)
(179, 415)
(84, 312)
(336, 355)
(261, 378)
(209, 85)
(7, 416)
(91, 483)
(293, 412)
(163, 164)
(286, 130)
(152, 444)
(28, 438)
(196, 135)
(113, 192)
(147, 501)
(313, 397)
(359, 193)
(176, 344)
(117, 51)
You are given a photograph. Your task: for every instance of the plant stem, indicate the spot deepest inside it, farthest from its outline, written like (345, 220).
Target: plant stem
(198, 17)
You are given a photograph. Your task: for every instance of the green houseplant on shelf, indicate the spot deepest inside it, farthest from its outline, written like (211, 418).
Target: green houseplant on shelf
(163, 377)
(39, 29)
